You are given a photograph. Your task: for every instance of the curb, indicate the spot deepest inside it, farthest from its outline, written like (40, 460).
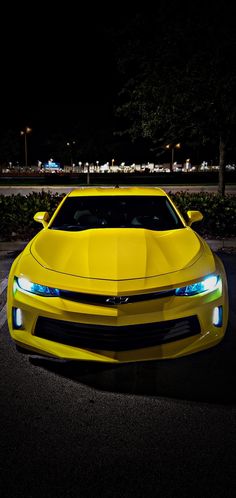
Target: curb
(215, 244)
(16, 245)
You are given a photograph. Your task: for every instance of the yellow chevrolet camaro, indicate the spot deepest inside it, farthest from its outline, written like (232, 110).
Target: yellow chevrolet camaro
(117, 275)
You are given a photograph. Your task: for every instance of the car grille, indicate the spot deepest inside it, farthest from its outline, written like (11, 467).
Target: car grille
(116, 338)
(112, 300)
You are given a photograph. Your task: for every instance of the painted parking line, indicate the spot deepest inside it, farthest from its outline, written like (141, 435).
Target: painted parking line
(3, 315)
(3, 285)
(3, 312)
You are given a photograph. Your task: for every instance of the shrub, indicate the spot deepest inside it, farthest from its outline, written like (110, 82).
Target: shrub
(219, 212)
(18, 212)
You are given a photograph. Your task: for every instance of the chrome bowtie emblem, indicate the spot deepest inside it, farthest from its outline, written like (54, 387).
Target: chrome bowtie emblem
(117, 300)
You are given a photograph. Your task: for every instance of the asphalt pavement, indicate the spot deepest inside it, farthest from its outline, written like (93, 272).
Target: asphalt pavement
(149, 429)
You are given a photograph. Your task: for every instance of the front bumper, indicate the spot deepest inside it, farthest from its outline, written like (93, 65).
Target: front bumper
(167, 327)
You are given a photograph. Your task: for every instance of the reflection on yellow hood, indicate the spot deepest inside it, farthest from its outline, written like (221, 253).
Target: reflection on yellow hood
(117, 253)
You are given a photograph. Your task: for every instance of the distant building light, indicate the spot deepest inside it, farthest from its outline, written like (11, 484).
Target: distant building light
(51, 165)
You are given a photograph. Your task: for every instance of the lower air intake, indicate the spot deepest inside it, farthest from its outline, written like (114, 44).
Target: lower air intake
(116, 338)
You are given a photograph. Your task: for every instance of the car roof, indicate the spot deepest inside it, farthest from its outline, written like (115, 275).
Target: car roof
(116, 191)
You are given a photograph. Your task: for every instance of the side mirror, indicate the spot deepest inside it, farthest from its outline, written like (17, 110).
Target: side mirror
(193, 216)
(42, 217)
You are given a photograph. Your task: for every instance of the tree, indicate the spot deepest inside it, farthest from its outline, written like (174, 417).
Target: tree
(179, 78)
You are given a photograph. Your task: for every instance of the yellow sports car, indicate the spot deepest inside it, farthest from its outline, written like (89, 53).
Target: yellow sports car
(117, 275)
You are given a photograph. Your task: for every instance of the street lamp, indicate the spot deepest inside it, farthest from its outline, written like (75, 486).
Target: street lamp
(172, 147)
(187, 164)
(70, 145)
(88, 178)
(25, 132)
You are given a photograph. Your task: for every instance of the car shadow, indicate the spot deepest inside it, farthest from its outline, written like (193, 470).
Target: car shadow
(208, 376)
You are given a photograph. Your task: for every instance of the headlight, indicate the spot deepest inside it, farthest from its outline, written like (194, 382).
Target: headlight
(209, 284)
(40, 290)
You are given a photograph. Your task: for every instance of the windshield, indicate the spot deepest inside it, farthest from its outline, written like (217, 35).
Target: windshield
(85, 212)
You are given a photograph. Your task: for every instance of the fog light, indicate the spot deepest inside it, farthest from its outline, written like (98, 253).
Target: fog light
(217, 318)
(17, 318)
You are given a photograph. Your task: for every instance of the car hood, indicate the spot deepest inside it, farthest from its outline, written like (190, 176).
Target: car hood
(116, 254)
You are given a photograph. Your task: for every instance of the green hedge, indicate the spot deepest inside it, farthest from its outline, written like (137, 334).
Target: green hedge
(219, 212)
(17, 212)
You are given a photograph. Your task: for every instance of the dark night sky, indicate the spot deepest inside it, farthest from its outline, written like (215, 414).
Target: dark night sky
(58, 68)
(58, 72)
(59, 88)
(57, 64)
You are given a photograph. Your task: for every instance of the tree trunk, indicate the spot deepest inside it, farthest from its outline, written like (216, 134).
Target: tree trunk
(221, 184)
